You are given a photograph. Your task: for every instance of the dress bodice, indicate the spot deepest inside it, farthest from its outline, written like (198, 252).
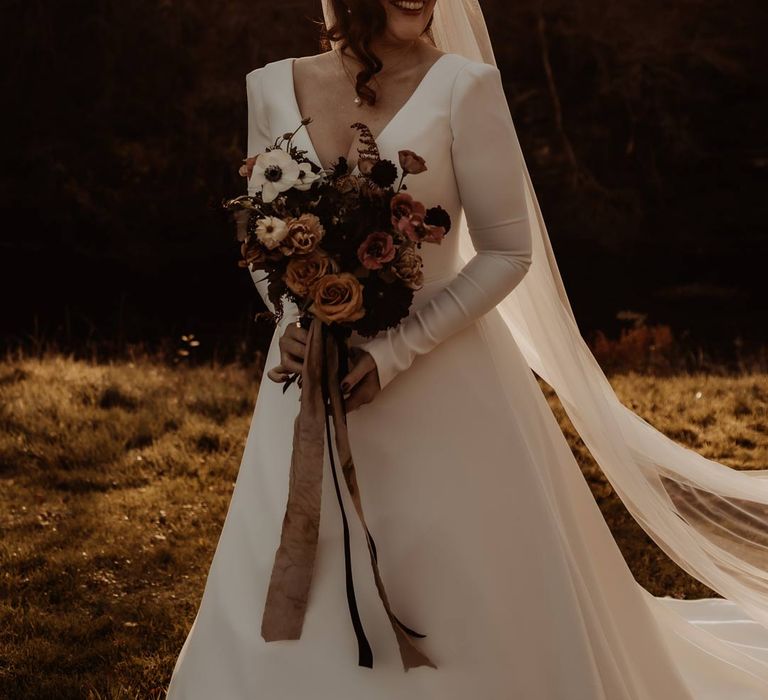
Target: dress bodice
(421, 125)
(458, 120)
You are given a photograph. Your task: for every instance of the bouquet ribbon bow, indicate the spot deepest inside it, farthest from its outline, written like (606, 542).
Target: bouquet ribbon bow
(321, 400)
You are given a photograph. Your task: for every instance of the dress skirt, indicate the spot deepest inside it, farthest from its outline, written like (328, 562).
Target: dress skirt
(489, 542)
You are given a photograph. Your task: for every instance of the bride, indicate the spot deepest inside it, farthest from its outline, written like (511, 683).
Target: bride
(488, 539)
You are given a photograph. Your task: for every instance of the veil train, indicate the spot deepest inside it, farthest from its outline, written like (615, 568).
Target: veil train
(710, 519)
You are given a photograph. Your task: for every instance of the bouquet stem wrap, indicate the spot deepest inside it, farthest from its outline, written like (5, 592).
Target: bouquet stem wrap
(321, 401)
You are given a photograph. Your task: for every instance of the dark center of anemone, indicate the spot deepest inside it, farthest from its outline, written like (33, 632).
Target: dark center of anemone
(273, 173)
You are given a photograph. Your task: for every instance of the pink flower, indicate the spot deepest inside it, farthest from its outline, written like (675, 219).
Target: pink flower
(407, 215)
(411, 163)
(378, 248)
(433, 234)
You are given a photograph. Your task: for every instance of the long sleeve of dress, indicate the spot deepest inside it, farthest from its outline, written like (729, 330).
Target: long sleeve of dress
(490, 180)
(258, 140)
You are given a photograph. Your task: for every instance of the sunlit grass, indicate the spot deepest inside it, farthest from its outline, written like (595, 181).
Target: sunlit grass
(115, 480)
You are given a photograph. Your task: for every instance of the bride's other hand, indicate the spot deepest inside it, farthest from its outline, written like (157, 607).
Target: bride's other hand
(362, 381)
(292, 346)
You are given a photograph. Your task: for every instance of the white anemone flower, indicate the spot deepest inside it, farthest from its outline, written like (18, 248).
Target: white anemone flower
(275, 172)
(306, 177)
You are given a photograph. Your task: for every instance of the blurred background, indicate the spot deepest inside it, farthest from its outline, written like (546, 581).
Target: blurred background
(643, 123)
(130, 357)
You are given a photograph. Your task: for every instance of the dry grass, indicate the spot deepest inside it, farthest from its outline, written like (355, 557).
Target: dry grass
(116, 480)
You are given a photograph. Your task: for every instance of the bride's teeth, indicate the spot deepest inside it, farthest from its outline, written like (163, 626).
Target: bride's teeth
(405, 5)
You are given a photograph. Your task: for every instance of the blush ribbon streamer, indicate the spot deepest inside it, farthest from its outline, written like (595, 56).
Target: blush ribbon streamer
(321, 401)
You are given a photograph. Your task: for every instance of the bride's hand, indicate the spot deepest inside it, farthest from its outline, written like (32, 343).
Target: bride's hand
(362, 380)
(359, 386)
(292, 346)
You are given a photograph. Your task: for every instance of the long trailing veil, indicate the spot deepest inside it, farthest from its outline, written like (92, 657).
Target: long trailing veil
(709, 518)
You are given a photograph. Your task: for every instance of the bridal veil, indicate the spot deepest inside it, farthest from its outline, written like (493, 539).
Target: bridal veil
(710, 519)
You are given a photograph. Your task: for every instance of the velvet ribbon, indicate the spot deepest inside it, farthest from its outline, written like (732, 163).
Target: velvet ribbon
(322, 402)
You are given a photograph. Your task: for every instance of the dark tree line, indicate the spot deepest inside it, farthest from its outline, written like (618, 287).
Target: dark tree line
(643, 125)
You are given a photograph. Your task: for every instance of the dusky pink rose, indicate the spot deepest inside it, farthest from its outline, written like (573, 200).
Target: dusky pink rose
(407, 215)
(377, 248)
(433, 234)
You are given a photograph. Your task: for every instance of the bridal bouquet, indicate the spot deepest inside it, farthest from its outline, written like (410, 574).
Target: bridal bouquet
(344, 246)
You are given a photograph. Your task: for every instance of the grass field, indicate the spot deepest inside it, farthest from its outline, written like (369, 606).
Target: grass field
(115, 480)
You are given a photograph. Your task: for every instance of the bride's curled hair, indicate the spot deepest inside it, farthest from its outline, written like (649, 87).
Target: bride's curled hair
(356, 23)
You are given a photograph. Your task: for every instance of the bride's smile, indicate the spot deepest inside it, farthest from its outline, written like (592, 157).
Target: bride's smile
(409, 7)
(406, 20)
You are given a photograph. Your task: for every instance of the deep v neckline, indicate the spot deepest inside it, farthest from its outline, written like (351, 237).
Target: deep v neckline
(308, 138)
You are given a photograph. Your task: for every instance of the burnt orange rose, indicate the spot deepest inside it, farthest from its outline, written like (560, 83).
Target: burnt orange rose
(303, 273)
(304, 235)
(338, 298)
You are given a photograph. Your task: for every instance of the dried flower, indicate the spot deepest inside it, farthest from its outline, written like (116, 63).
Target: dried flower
(408, 267)
(304, 234)
(347, 183)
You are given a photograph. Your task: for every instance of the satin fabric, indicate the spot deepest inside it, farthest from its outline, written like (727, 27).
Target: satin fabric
(489, 539)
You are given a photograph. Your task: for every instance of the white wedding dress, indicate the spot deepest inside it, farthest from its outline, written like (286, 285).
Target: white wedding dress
(489, 540)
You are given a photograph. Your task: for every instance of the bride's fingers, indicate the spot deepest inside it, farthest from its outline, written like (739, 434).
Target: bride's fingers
(291, 363)
(363, 393)
(361, 367)
(293, 347)
(278, 374)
